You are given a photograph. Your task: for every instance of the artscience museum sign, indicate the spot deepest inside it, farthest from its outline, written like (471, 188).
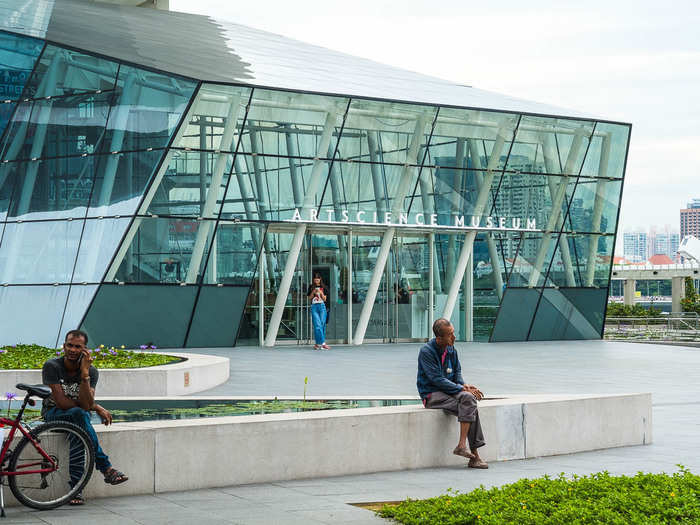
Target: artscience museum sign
(429, 220)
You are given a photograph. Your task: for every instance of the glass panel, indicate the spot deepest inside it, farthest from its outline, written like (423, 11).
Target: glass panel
(134, 315)
(64, 72)
(121, 180)
(207, 119)
(515, 314)
(411, 286)
(608, 151)
(161, 250)
(39, 252)
(146, 110)
(101, 239)
(329, 259)
(185, 187)
(559, 317)
(51, 188)
(78, 302)
(212, 325)
(57, 127)
(523, 198)
(365, 250)
(234, 259)
(17, 57)
(31, 314)
(594, 206)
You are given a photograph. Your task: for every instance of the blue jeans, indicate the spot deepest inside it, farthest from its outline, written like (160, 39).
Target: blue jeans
(81, 418)
(318, 317)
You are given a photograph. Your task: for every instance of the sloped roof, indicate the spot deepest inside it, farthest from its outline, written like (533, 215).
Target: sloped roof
(660, 259)
(208, 49)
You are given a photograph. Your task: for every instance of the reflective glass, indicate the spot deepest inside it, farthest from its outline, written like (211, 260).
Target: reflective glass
(594, 205)
(101, 239)
(51, 188)
(39, 252)
(515, 314)
(17, 57)
(32, 315)
(522, 198)
(234, 257)
(64, 72)
(78, 302)
(608, 151)
(561, 316)
(161, 250)
(61, 126)
(146, 110)
(185, 188)
(527, 270)
(121, 180)
(207, 120)
(213, 325)
(133, 315)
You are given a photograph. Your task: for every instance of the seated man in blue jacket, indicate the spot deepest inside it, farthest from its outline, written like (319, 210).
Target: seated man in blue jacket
(440, 385)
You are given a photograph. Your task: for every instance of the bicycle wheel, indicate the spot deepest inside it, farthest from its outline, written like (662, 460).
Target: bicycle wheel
(70, 448)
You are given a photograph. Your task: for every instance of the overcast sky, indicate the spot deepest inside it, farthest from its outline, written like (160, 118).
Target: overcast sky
(635, 62)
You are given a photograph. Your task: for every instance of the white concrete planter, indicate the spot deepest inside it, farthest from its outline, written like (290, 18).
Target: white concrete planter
(162, 456)
(197, 373)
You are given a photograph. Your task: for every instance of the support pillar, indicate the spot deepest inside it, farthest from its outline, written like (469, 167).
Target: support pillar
(349, 287)
(600, 187)
(629, 289)
(677, 293)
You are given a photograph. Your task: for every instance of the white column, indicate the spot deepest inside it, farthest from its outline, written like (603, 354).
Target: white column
(293, 174)
(261, 296)
(600, 187)
(677, 293)
(551, 162)
(309, 202)
(469, 300)
(349, 290)
(377, 179)
(402, 191)
(630, 287)
(217, 175)
(505, 132)
(431, 288)
(557, 202)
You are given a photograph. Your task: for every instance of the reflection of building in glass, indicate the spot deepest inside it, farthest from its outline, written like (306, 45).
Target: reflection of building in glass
(184, 191)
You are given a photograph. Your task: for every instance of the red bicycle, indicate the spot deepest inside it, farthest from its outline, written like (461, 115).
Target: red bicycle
(48, 464)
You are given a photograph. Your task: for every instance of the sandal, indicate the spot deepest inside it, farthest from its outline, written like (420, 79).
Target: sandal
(464, 452)
(114, 477)
(477, 463)
(77, 499)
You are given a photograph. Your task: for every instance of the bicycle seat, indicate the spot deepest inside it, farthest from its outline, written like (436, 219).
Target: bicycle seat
(41, 391)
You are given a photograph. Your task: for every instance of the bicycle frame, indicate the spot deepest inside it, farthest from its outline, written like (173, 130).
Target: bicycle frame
(16, 424)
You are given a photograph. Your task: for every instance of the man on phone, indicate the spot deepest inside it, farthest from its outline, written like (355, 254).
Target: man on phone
(72, 380)
(440, 385)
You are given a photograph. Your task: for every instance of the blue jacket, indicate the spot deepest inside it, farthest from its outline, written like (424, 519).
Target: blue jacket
(434, 375)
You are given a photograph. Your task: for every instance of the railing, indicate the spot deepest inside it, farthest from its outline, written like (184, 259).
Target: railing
(677, 327)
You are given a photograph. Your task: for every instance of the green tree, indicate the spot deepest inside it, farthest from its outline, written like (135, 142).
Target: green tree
(691, 301)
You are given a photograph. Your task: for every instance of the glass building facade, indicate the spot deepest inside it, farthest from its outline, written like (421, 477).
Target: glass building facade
(149, 205)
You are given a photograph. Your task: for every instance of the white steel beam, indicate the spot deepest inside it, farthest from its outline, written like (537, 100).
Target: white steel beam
(557, 201)
(398, 205)
(600, 187)
(217, 175)
(505, 133)
(293, 255)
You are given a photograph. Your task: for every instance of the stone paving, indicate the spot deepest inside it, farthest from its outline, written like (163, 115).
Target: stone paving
(669, 372)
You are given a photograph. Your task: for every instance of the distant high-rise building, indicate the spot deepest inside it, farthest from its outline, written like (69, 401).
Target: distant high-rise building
(690, 219)
(664, 243)
(635, 246)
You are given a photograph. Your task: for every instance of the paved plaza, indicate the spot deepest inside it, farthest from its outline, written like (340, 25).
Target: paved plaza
(669, 372)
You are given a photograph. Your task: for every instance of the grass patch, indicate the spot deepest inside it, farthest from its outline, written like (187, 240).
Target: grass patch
(33, 357)
(595, 499)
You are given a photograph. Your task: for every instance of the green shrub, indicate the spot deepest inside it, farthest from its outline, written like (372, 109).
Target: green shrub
(31, 357)
(625, 310)
(598, 498)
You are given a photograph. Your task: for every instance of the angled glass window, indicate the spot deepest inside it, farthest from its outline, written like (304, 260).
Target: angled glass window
(64, 72)
(17, 57)
(101, 239)
(161, 250)
(39, 252)
(523, 198)
(51, 188)
(608, 151)
(234, 257)
(515, 314)
(35, 314)
(562, 315)
(79, 299)
(146, 110)
(594, 205)
(209, 119)
(62, 126)
(121, 180)
(213, 325)
(185, 188)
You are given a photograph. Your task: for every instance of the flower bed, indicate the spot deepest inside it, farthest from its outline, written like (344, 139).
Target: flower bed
(598, 498)
(33, 357)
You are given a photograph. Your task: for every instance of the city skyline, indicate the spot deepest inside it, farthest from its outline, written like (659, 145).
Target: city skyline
(629, 61)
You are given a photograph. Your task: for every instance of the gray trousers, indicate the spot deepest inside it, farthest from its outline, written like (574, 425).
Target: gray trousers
(462, 405)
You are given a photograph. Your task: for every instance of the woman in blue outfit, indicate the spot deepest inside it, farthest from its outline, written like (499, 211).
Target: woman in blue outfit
(318, 295)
